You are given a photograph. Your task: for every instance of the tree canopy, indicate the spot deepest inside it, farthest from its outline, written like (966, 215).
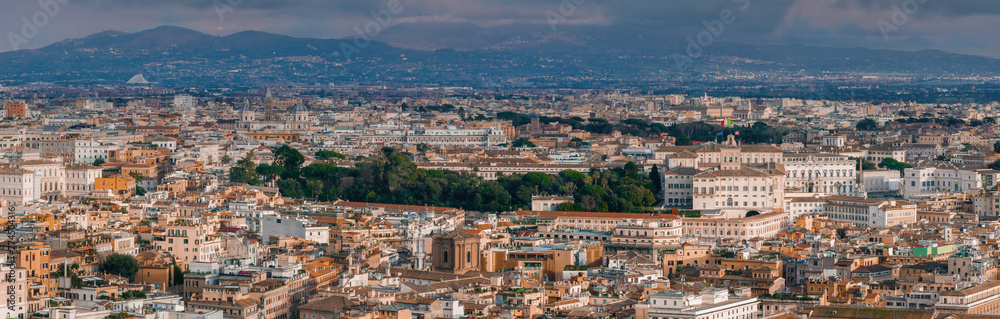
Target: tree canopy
(890, 163)
(867, 125)
(328, 155)
(245, 171)
(121, 265)
(288, 157)
(392, 177)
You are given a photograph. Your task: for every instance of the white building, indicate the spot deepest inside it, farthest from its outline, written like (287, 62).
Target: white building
(50, 177)
(183, 101)
(707, 155)
(799, 204)
(736, 187)
(88, 151)
(678, 184)
(881, 182)
(867, 212)
(17, 185)
(435, 137)
(830, 174)
(925, 181)
(714, 303)
(879, 153)
(834, 140)
(165, 142)
(80, 179)
(298, 227)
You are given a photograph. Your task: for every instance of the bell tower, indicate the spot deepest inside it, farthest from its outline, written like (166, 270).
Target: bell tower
(730, 155)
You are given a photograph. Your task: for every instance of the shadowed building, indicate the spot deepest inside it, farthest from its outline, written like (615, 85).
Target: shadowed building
(456, 251)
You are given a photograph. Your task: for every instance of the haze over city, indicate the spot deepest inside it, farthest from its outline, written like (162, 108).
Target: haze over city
(488, 159)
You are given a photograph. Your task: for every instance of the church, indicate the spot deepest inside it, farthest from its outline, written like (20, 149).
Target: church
(296, 119)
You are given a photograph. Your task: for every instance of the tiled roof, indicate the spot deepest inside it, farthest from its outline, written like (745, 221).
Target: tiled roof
(592, 214)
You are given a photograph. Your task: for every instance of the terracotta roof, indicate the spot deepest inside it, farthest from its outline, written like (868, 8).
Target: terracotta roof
(333, 304)
(870, 313)
(394, 206)
(593, 214)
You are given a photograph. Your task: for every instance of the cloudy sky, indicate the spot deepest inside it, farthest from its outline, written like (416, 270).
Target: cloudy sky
(964, 26)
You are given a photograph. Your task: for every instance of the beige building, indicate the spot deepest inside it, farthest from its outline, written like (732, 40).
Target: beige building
(740, 184)
(190, 240)
(870, 212)
(764, 226)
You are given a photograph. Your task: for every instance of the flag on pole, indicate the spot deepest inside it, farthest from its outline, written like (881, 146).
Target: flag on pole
(719, 133)
(727, 122)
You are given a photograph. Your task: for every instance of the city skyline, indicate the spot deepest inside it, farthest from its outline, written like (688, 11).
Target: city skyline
(911, 25)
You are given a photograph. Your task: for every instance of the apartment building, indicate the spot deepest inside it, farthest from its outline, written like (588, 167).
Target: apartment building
(870, 212)
(190, 240)
(17, 185)
(744, 228)
(979, 299)
(928, 181)
(712, 303)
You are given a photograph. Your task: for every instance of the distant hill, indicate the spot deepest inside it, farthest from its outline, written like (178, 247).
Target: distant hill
(460, 54)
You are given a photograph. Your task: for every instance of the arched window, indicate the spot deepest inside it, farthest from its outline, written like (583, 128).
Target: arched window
(468, 256)
(445, 256)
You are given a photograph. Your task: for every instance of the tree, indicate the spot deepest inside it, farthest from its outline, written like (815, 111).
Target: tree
(996, 147)
(423, 148)
(139, 191)
(245, 171)
(890, 163)
(99, 161)
(288, 157)
(178, 276)
(522, 142)
(867, 125)
(994, 166)
(269, 172)
(291, 188)
(866, 165)
(137, 177)
(655, 178)
(569, 207)
(121, 265)
(574, 176)
(314, 188)
(631, 170)
(328, 155)
(226, 159)
(683, 140)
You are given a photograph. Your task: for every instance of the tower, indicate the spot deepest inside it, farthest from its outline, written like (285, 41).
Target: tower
(536, 125)
(456, 251)
(268, 106)
(730, 155)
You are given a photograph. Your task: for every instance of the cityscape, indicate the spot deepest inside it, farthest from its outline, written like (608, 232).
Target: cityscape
(575, 159)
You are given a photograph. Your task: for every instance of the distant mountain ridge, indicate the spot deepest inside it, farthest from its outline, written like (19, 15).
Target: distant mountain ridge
(455, 54)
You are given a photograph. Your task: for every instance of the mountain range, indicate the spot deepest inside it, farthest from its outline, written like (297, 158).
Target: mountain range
(468, 55)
